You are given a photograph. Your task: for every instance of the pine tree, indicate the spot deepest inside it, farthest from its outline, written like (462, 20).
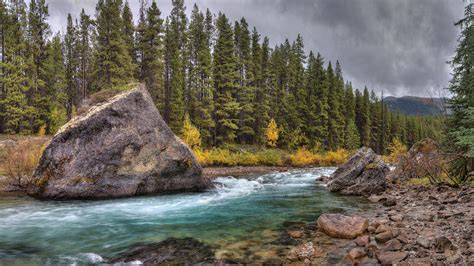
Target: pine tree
(461, 122)
(71, 71)
(259, 64)
(351, 135)
(335, 119)
(55, 80)
(363, 116)
(128, 31)
(226, 75)
(245, 92)
(15, 64)
(84, 55)
(113, 64)
(38, 34)
(151, 62)
(375, 122)
(199, 69)
(3, 31)
(175, 57)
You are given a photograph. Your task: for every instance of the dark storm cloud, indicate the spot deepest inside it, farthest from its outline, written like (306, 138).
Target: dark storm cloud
(398, 46)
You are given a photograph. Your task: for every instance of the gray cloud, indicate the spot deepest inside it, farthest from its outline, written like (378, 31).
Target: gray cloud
(400, 47)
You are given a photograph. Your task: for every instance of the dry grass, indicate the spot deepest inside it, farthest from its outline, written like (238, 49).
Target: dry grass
(269, 157)
(19, 160)
(226, 157)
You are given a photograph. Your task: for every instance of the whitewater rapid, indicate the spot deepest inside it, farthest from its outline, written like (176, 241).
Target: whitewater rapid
(88, 231)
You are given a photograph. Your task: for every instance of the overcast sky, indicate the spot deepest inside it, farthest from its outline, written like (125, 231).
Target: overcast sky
(398, 46)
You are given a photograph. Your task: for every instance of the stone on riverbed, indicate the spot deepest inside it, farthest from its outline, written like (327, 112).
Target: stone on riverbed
(342, 226)
(119, 148)
(173, 251)
(363, 174)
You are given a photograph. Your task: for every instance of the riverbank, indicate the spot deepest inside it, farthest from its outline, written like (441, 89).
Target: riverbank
(409, 225)
(237, 171)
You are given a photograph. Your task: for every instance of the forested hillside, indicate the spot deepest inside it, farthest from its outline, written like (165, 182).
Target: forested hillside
(225, 75)
(411, 105)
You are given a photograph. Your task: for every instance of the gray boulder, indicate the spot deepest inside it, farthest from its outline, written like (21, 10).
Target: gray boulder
(119, 148)
(363, 174)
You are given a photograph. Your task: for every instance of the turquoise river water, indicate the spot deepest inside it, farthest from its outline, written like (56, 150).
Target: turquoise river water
(239, 216)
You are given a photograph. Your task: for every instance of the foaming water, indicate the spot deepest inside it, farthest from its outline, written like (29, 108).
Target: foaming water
(238, 209)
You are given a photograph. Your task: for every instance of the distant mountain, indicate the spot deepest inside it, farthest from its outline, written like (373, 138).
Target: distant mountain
(411, 105)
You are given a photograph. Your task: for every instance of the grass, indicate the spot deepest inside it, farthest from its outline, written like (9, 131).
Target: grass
(268, 157)
(19, 159)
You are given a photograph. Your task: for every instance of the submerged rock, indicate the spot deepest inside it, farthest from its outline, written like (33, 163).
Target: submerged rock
(342, 226)
(173, 251)
(363, 174)
(119, 148)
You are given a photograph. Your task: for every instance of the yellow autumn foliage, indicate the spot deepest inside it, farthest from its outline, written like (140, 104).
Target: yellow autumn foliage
(190, 134)
(272, 133)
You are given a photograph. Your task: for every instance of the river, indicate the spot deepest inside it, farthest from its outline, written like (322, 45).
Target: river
(240, 216)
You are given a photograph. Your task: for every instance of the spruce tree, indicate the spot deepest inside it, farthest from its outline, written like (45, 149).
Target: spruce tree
(245, 92)
(351, 135)
(113, 63)
(226, 76)
(55, 80)
(201, 103)
(128, 31)
(152, 55)
(175, 57)
(38, 35)
(335, 124)
(3, 31)
(18, 114)
(259, 64)
(84, 55)
(71, 71)
(461, 122)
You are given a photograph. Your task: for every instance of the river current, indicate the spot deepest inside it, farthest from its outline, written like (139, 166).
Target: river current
(239, 216)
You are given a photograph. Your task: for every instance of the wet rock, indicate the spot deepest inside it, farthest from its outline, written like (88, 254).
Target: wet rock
(356, 253)
(296, 233)
(452, 256)
(384, 236)
(396, 218)
(173, 251)
(342, 226)
(363, 174)
(301, 252)
(442, 243)
(393, 245)
(391, 257)
(382, 228)
(389, 202)
(423, 242)
(376, 198)
(362, 241)
(119, 148)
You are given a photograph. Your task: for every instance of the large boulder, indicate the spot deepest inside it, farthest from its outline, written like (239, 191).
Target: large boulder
(342, 226)
(363, 174)
(119, 148)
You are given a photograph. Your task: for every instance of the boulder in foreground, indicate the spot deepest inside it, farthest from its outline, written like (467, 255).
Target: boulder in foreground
(342, 226)
(362, 175)
(173, 251)
(119, 148)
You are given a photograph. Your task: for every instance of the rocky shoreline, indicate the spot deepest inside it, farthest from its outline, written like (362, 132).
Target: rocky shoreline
(409, 226)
